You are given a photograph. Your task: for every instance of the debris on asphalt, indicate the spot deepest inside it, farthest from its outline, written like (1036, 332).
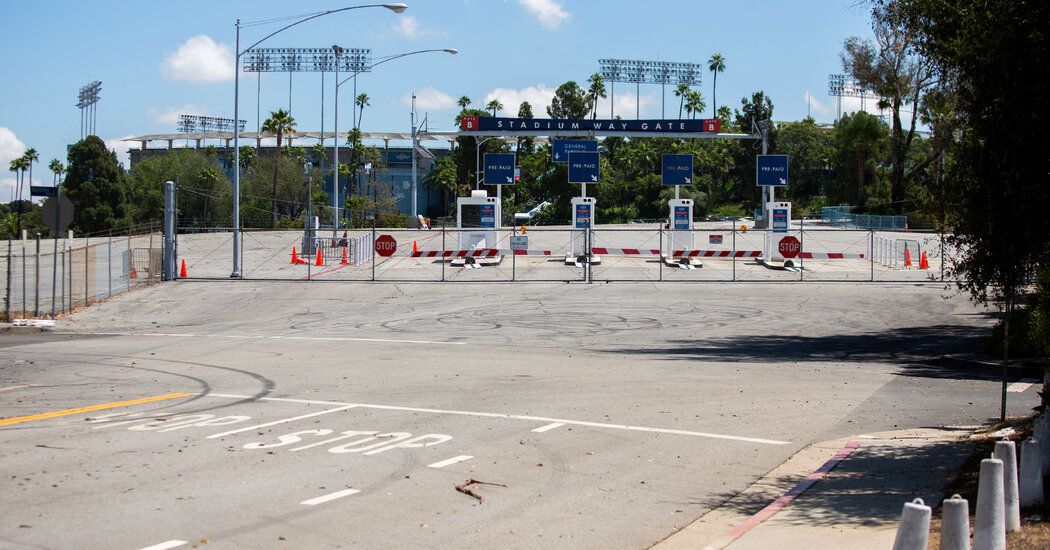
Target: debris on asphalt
(463, 488)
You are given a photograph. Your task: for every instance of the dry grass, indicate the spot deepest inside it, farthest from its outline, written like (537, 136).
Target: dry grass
(1034, 535)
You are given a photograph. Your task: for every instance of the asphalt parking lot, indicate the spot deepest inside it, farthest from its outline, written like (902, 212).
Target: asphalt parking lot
(325, 415)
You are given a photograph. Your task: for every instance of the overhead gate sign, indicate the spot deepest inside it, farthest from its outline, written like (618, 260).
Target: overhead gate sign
(670, 126)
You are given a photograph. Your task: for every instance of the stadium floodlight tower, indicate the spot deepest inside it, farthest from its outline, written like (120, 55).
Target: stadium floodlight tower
(641, 72)
(87, 98)
(840, 86)
(236, 273)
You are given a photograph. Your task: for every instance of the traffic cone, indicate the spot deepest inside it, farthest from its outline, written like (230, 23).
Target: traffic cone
(415, 248)
(923, 263)
(320, 259)
(907, 256)
(133, 273)
(345, 261)
(523, 231)
(182, 271)
(295, 257)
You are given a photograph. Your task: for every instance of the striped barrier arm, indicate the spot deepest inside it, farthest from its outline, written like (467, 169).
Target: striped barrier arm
(603, 251)
(477, 253)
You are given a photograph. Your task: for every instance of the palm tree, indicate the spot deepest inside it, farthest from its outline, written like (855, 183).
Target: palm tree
(57, 168)
(596, 89)
(694, 103)
(361, 102)
(279, 123)
(716, 64)
(463, 101)
(19, 167)
(31, 157)
(680, 91)
(495, 105)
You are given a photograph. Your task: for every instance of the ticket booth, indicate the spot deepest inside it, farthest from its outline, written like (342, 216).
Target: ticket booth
(680, 234)
(779, 226)
(583, 210)
(477, 219)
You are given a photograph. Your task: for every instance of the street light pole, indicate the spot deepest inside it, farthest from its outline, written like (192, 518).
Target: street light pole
(335, 138)
(236, 273)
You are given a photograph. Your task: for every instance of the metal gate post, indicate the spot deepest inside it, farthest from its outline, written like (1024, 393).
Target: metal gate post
(734, 253)
(168, 269)
(109, 261)
(373, 249)
(513, 257)
(87, 273)
(36, 280)
(442, 252)
(7, 287)
(587, 254)
(23, 277)
(801, 247)
(871, 248)
(660, 253)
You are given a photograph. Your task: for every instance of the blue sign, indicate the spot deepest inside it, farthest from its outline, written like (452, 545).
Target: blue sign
(583, 216)
(681, 218)
(780, 220)
(771, 169)
(499, 169)
(583, 167)
(41, 191)
(399, 157)
(561, 148)
(678, 169)
(487, 123)
(488, 216)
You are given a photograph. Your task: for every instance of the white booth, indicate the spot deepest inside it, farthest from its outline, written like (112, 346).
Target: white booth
(680, 235)
(583, 209)
(478, 221)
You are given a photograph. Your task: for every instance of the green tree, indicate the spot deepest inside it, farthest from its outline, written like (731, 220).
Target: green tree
(463, 102)
(694, 103)
(247, 156)
(57, 169)
(361, 101)
(596, 89)
(204, 194)
(32, 157)
(443, 177)
(810, 150)
(525, 144)
(716, 64)
(93, 184)
(19, 167)
(897, 71)
(681, 91)
(860, 139)
(495, 106)
(569, 102)
(279, 124)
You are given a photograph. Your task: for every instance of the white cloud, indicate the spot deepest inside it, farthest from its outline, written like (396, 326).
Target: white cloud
(539, 96)
(550, 13)
(199, 59)
(626, 106)
(407, 26)
(170, 116)
(431, 99)
(821, 110)
(120, 147)
(10, 148)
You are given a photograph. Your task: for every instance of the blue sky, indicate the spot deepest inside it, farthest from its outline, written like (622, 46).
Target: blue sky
(160, 59)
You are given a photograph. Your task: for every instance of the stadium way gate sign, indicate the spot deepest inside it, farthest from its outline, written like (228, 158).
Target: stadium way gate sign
(671, 126)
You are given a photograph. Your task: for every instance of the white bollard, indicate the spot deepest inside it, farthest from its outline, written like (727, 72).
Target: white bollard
(1007, 452)
(1031, 476)
(990, 527)
(913, 533)
(955, 524)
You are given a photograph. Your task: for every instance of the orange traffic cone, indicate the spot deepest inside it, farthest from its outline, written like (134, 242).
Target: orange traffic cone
(320, 259)
(907, 256)
(923, 263)
(346, 261)
(415, 248)
(182, 271)
(523, 230)
(295, 257)
(133, 273)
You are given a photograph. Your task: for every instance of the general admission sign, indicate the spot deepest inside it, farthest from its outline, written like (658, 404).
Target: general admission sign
(670, 126)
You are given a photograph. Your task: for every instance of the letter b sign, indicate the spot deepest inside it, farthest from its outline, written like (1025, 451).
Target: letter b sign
(468, 123)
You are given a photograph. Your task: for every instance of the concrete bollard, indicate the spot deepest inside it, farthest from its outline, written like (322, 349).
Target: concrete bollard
(1007, 452)
(913, 533)
(1031, 476)
(990, 526)
(955, 524)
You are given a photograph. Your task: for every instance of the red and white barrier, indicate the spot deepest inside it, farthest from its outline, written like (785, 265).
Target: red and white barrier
(477, 253)
(604, 251)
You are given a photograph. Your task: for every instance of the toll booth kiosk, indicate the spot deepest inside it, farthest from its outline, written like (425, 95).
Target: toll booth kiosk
(583, 209)
(477, 219)
(779, 225)
(680, 234)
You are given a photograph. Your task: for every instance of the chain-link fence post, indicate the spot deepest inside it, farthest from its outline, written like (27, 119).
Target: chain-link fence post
(660, 252)
(871, 250)
(7, 288)
(36, 279)
(442, 251)
(734, 253)
(87, 272)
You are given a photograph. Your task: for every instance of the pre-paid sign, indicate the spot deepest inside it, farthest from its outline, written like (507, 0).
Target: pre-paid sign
(499, 169)
(771, 170)
(561, 148)
(678, 169)
(583, 167)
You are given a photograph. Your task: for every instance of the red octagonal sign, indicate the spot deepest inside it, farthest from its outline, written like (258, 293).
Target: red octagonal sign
(789, 247)
(386, 245)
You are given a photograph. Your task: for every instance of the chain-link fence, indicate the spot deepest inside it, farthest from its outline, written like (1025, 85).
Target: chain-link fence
(48, 277)
(616, 253)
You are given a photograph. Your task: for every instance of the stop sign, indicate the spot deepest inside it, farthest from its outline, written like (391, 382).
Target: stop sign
(789, 247)
(386, 245)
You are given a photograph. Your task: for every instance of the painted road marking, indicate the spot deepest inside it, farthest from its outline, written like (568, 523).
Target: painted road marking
(1019, 387)
(264, 337)
(510, 416)
(549, 427)
(102, 407)
(449, 461)
(166, 545)
(333, 496)
(282, 421)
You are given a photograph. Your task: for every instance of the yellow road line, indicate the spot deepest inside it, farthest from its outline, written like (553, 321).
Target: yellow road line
(104, 406)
